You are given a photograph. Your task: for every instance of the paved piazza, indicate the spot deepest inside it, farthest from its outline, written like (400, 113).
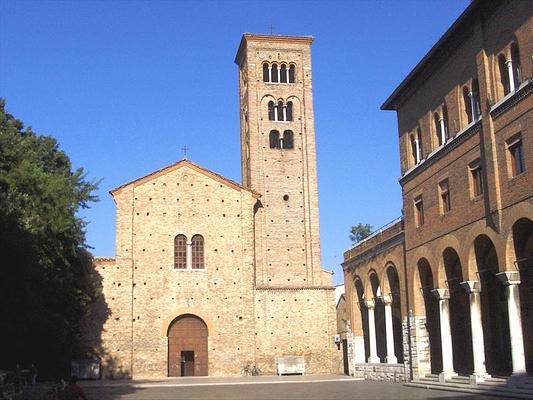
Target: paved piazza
(264, 388)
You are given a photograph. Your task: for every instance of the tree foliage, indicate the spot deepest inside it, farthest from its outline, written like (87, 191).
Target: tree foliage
(360, 231)
(45, 286)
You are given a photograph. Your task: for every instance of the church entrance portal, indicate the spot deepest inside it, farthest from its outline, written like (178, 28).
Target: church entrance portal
(187, 346)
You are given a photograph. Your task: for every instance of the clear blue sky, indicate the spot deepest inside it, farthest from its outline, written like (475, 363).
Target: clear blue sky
(123, 85)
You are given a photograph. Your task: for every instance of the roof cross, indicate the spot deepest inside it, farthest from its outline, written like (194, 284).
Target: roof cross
(185, 148)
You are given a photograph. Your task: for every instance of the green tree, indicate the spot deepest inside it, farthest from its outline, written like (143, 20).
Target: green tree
(360, 231)
(45, 286)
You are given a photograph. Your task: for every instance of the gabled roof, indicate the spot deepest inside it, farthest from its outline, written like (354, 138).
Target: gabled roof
(180, 164)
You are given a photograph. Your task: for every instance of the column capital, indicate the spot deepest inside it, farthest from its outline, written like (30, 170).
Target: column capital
(509, 61)
(387, 300)
(441, 294)
(471, 286)
(509, 277)
(370, 303)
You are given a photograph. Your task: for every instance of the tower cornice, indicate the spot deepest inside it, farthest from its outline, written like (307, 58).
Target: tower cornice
(258, 37)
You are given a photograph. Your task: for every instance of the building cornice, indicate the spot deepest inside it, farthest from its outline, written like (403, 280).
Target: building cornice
(512, 99)
(448, 42)
(352, 263)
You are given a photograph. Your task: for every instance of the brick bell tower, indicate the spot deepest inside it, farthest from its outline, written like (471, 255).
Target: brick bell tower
(278, 158)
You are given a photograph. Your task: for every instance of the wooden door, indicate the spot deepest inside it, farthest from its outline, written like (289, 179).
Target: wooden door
(187, 346)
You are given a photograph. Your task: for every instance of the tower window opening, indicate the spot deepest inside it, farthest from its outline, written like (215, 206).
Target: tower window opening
(274, 139)
(266, 72)
(283, 74)
(271, 111)
(289, 111)
(292, 73)
(280, 112)
(274, 75)
(288, 140)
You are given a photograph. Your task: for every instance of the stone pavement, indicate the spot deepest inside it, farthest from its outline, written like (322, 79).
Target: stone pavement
(321, 387)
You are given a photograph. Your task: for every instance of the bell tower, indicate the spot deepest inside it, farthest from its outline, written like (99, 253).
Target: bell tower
(278, 158)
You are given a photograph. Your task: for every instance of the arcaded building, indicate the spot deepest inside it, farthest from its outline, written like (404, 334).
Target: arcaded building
(210, 275)
(465, 262)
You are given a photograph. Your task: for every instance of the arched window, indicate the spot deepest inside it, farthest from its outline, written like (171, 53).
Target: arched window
(281, 111)
(292, 73)
(289, 111)
(274, 139)
(476, 106)
(283, 74)
(180, 252)
(266, 73)
(515, 58)
(197, 252)
(271, 114)
(288, 139)
(438, 128)
(467, 104)
(274, 73)
(414, 148)
(504, 74)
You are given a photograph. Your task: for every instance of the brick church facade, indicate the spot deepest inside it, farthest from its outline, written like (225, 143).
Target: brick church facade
(211, 275)
(447, 290)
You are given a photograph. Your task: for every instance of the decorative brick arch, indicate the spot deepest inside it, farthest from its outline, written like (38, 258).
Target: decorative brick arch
(182, 311)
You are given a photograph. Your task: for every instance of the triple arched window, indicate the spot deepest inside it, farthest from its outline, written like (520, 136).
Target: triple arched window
(280, 111)
(189, 254)
(281, 141)
(279, 73)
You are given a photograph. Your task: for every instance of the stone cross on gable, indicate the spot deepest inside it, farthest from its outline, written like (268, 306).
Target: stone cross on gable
(185, 148)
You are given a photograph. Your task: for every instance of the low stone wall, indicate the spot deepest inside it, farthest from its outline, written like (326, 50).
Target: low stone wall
(381, 372)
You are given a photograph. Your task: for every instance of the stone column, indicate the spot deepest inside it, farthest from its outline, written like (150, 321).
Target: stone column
(443, 295)
(478, 345)
(510, 75)
(442, 130)
(189, 254)
(417, 151)
(389, 331)
(511, 279)
(373, 358)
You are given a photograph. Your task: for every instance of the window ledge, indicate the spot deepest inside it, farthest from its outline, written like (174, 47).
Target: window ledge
(510, 99)
(450, 144)
(195, 270)
(477, 198)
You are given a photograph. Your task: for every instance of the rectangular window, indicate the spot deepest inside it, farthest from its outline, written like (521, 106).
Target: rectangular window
(476, 178)
(419, 211)
(445, 203)
(516, 152)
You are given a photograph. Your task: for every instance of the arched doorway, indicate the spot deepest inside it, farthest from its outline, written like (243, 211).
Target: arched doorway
(523, 244)
(463, 361)
(187, 346)
(431, 305)
(493, 309)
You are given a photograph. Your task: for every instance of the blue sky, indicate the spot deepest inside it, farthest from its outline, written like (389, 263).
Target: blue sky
(124, 85)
